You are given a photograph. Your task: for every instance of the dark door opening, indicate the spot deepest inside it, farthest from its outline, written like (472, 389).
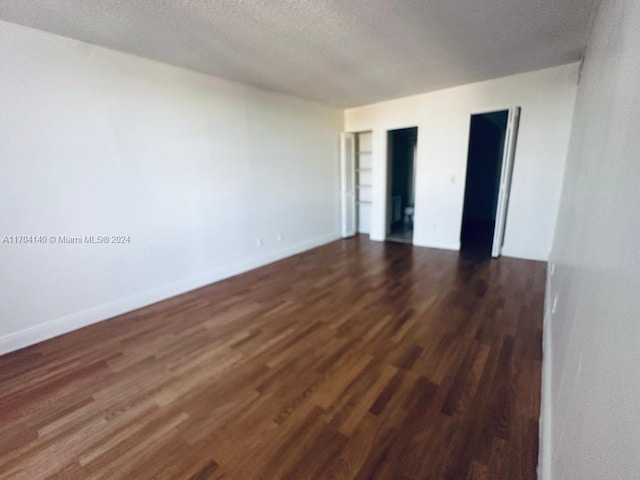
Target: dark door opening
(402, 146)
(482, 188)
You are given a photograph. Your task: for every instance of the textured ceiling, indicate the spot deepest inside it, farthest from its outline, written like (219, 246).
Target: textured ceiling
(340, 52)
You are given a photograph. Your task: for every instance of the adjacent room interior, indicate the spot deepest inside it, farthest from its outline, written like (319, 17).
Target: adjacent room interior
(487, 135)
(319, 240)
(402, 146)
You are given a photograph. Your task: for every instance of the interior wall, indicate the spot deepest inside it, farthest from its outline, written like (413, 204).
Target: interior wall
(207, 177)
(547, 99)
(592, 349)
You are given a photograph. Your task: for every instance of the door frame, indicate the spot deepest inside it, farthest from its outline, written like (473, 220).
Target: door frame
(506, 172)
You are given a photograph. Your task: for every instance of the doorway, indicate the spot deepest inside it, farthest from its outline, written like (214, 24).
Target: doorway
(489, 164)
(402, 147)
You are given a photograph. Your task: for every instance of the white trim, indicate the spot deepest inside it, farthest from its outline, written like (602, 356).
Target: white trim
(546, 401)
(508, 157)
(484, 111)
(58, 326)
(525, 253)
(441, 246)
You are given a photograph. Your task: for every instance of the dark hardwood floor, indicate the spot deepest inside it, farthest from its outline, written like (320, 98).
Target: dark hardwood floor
(356, 360)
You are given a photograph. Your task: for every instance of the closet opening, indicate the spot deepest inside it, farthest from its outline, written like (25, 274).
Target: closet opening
(356, 182)
(489, 165)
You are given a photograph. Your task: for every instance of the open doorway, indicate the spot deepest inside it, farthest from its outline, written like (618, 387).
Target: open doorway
(402, 147)
(489, 163)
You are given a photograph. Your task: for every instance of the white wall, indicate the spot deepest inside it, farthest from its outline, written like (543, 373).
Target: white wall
(193, 168)
(592, 348)
(547, 99)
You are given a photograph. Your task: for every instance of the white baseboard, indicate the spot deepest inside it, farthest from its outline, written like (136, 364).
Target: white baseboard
(546, 401)
(420, 243)
(442, 246)
(507, 251)
(525, 253)
(74, 321)
(546, 413)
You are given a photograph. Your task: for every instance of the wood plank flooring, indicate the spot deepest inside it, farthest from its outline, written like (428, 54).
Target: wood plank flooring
(356, 360)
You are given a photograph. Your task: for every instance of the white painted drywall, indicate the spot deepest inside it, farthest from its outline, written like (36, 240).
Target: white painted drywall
(547, 99)
(595, 331)
(193, 168)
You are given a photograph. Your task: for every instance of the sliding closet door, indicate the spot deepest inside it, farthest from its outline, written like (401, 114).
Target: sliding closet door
(505, 180)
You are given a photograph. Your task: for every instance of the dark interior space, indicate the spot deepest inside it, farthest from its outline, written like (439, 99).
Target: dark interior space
(484, 163)
(402, 148)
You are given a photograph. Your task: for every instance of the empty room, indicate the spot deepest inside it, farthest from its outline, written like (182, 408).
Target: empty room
(297, 239)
